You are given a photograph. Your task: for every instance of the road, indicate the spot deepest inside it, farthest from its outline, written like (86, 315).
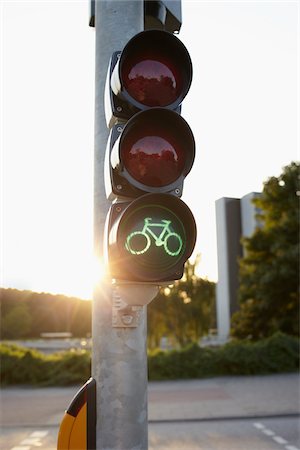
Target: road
(280, 433)
(226, 413)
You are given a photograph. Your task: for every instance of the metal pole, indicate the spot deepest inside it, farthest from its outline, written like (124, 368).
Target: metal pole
(119, 358)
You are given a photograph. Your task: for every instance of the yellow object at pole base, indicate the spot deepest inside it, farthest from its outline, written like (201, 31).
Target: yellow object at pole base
(78, 427)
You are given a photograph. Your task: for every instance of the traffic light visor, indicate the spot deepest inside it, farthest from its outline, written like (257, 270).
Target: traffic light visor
(154, 69)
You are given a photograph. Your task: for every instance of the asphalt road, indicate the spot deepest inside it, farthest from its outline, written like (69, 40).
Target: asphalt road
(280, 433)
(229, 413)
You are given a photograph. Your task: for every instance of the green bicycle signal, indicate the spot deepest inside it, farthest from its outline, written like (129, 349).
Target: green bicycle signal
(163, 239)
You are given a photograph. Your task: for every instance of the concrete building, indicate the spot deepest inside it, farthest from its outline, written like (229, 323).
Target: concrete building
(235, 218)
(248, 214)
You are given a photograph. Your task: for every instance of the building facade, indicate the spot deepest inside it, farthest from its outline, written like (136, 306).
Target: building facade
(235, 218)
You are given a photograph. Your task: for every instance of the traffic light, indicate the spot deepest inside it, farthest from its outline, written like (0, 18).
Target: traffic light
(150, 232)
(153, 153)
(150, 238)
(153, 70)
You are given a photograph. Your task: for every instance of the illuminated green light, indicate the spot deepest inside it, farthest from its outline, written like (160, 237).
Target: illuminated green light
(144, 237)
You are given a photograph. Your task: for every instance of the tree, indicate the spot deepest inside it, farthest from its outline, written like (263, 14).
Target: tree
(269, 281)
(184, 312)
(17, 322)
(46, 312)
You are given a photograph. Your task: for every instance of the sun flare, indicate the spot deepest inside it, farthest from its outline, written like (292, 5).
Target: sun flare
(83, 285)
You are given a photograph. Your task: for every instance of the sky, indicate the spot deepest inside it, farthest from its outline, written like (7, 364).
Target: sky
(243, 108)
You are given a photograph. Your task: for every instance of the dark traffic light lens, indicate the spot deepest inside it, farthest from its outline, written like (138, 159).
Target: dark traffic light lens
(152, 81)
(154, 70)
(156, 149)
(152, 159)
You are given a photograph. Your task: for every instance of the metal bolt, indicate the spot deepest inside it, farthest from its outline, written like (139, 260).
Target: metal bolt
(177, 191)
(119, 187)
(127, 319)
(118, 55)
(118, 209)
(119, 129)
(119, 108)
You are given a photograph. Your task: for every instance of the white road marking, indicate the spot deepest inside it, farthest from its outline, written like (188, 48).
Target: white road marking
(278, 439)
(39, 434)
(268, 432)
(20, 448)
(34, 440)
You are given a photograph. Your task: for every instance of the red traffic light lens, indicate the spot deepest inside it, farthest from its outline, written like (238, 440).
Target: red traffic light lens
(152, 80)
(154, 70)
(152, 158)
(156, 148)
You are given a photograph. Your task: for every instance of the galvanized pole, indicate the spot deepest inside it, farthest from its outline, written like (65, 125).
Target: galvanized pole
(119, 358)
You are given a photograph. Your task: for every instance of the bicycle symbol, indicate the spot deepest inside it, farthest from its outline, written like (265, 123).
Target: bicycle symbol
(162, 240)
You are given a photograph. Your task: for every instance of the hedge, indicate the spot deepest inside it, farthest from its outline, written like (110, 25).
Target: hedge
(276, 354)
(20, 365)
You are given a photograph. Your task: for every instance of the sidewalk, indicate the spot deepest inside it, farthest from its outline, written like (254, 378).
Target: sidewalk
(224, 397)
(221, 397)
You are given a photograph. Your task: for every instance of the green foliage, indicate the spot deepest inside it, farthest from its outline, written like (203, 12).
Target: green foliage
(26, 314)
(278, 353)
(269, 272)
(69, 368)
(184, 312)
(22, 366)
(17, 322)
(191, 362)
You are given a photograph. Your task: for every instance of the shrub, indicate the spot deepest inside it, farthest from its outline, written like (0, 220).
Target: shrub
(278, 353)
(22, 366)
(69, 368)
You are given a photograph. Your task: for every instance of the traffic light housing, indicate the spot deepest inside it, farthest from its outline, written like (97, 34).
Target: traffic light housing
(153, 70)
(150, 238)
(150, 232)
(153, 152)
(163, 14)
